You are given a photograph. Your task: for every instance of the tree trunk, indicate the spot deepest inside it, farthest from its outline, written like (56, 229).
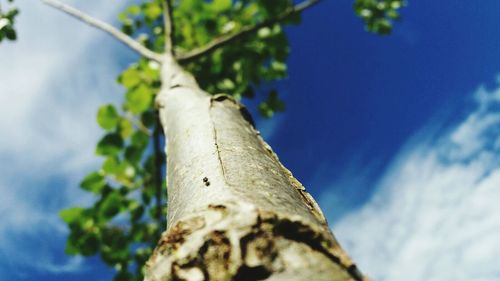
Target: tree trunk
(234, 211)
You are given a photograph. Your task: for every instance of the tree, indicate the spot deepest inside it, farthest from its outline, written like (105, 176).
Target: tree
(235, 212)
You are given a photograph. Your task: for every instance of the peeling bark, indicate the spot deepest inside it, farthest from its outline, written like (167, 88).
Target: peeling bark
(234, 211)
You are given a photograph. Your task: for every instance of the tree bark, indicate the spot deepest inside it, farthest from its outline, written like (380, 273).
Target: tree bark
(234, 211)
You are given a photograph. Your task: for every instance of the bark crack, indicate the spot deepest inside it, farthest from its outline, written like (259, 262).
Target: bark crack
(215, 140)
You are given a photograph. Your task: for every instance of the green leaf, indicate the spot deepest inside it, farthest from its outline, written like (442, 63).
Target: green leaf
(383, 27)
(122, 170)
(265, 110)
(125, 127)
(139, 99)
(10, 33)
(128, 28)
(140, 139)
(148, 118)
(126, 172)
(110, 144)
(71, 215)
(221, 5)
(124, 19)
(271, 105)
(111, 205)
(226, 85)
(130, 77)
(275, 102)
(136, 211)
(134, 10)
(116, 250)
(94, 182)
(88, 244)
(71, 249)
(264, 32)
(154, 212)
(378, 15)
(133, 154)
(393, 14)
(150, 70)
(279, 66)
(107, 117)
(111, 165)
(152, 11)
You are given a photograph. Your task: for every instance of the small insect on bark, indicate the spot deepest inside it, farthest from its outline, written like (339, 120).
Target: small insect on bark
(205, 180)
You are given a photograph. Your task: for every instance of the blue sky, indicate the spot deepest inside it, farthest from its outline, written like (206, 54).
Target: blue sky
(396, 137)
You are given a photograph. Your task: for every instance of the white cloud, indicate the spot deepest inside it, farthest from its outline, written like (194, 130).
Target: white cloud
(52, 81)
(435, 214)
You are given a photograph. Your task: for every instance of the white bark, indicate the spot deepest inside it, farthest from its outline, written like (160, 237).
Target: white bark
(234, 211)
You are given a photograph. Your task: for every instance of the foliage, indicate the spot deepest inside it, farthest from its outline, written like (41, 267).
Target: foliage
(125, 222)
(122, 225)
(378, 15)
(7, 19)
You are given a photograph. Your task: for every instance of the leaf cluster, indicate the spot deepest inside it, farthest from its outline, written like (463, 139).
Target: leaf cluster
(145, 22)
(247, 66)
(122, 225)
(379, 15)
(240, 69)
(7, 19)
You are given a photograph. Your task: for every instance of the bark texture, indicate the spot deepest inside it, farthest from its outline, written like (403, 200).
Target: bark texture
(234, 211)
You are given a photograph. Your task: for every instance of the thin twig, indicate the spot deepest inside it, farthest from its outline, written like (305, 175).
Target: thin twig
(117, 34)
(228, 38)
(169, 26)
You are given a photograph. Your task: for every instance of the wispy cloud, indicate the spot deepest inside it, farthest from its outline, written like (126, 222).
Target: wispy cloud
(435, 214)
(52, 81)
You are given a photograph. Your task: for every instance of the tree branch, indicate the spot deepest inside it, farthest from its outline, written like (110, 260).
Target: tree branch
(229, 38)
(117, 34)
(169, 26)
